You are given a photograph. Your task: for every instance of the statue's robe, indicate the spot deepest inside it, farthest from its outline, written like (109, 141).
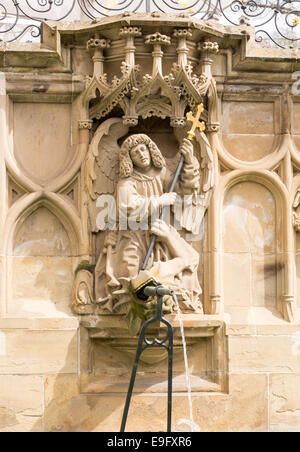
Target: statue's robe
(126, 247)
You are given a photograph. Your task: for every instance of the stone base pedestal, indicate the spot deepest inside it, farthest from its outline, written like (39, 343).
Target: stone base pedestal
(111, 352)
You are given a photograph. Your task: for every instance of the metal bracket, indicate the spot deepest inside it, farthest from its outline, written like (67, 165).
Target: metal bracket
(143, 343)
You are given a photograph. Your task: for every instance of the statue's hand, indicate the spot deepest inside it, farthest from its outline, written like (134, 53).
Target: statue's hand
(187, 150)
(111, 239)
(160, 229)
(167, 199)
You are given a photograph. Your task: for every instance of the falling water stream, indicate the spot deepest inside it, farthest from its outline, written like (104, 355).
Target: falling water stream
(187, 373)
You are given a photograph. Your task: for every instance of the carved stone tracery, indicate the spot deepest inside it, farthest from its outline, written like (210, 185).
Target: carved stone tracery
(182, 86)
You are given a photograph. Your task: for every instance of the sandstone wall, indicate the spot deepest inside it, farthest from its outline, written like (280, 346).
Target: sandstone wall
(54, 375)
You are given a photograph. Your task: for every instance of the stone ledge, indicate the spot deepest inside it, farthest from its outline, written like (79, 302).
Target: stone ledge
(110, 326)
(9, 323)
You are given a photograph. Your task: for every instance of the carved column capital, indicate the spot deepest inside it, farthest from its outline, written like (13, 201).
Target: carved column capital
(130, 31)
(85, 124)
(211, 47)
(287, 305)
(178, 121)
(158, 38)
(215, 302)
(98, 43)
(212, 127)
(182, 33)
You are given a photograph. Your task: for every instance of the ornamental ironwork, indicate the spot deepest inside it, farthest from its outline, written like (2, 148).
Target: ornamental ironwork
(276, 22)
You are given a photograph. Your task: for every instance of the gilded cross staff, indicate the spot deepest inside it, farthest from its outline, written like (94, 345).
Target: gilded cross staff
(195, 122)
(190, 136)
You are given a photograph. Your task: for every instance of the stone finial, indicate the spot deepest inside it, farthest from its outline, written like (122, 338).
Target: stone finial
(212, 47)
(182, 33)
(130, 31)
(98, 43)
(158, 38)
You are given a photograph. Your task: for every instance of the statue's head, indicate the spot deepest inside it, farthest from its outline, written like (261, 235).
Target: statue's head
(141, 152)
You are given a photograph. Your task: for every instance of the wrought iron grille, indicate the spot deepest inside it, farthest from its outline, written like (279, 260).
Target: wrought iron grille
(277, 22)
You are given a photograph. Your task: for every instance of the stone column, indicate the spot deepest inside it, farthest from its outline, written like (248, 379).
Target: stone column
(129, 33)
(157, 40)
(207, 48)
(96, 45)
(84, 127)
(182, 50)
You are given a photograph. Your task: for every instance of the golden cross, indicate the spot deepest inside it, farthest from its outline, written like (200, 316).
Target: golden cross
(195, 122)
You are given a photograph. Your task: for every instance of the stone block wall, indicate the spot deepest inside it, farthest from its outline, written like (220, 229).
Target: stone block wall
(50, 373)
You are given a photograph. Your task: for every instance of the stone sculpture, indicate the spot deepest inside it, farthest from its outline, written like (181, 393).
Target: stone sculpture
(135, 173)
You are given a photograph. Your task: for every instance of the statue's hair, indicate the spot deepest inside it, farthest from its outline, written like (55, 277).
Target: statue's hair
(126, 165)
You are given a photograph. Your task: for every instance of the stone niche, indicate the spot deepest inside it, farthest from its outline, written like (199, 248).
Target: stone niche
(249, 236)
(41, 270)
(144, 80)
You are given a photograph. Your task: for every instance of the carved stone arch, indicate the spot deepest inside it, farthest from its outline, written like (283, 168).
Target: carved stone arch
(62, 209)
(285, 238)
(53, 270)
(281, 145)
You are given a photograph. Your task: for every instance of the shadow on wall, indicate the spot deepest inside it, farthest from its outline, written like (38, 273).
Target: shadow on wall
(250, 239)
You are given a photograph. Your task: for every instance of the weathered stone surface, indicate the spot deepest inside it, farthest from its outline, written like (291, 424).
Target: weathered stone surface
(249, 148)
(41, 269)
(237, 279)
(248, 129)
(38, 352)
(42, 234)
(248, 117)
(275, 353)
(298, 277)
(21, 403)
(249, 219)
(42, 287)
(244, 409)
(285, 402)
(57, 323)
(297, 141)
(296, 118)
(42, 146)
